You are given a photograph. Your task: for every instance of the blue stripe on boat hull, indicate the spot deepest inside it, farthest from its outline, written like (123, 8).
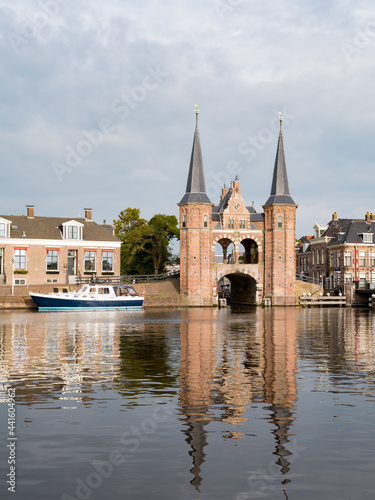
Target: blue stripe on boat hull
(54, 304)
(122, 308)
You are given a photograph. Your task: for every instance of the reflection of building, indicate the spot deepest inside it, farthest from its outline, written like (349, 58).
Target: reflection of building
(221, 373)
(280, 387)
(197, 375)
(265, 240)
(41, 250)
(29, 350)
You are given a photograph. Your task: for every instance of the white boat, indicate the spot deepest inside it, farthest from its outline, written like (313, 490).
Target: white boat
(100, 296)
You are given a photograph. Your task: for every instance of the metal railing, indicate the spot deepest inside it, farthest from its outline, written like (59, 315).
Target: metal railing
(308, 279)
(129, 279)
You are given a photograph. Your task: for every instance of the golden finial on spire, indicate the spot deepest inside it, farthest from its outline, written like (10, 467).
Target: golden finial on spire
(196, 116)
(280, 116)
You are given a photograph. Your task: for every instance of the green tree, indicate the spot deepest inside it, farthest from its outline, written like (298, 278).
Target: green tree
(128, 220)
(145, 247)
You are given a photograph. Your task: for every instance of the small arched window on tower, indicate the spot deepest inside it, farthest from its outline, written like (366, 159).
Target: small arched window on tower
(184, 221)
(279, 221)
(205, 220)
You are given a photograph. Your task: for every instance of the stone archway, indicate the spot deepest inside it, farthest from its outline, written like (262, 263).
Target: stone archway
(225, 243)
(244, 288)
(251, 254)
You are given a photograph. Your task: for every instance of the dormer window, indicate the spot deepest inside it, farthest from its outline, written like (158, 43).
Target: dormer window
(72, 230)
(367, 237)
(4, 228)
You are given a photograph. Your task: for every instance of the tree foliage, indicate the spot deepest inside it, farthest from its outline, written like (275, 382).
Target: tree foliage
(128, 220)
(145, 247)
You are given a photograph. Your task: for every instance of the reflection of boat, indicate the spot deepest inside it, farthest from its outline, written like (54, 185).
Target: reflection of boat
(89, 297)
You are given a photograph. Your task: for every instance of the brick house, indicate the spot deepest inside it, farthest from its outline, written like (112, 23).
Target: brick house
(343, 252)
(261, 263)
(41, 250)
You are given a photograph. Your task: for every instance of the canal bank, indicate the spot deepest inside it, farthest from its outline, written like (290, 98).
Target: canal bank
(157, 294)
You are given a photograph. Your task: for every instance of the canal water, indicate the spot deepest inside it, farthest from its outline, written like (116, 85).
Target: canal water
(188, 404)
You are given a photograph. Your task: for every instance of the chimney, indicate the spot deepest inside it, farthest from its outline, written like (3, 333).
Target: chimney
(367, 217)
(334, 216)
(224, 192)
(88, 214)
(30, 211)
(236, 185)
(372, 216)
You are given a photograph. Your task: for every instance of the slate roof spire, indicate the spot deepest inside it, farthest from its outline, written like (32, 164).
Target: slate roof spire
(196, 186)
(280, 188)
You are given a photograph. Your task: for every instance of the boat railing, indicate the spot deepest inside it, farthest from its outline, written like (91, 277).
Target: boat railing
(128, 279)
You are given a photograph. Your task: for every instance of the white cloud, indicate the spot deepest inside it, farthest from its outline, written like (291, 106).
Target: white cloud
(238, 63)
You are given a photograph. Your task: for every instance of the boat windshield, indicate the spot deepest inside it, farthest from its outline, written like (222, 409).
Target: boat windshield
(125, 290)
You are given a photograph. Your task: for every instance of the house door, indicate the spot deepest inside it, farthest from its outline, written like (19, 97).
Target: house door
(72, 262)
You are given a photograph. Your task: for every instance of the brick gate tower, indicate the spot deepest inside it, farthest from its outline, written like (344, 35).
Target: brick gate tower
(261, 263)
(279, 235)
(195, 231)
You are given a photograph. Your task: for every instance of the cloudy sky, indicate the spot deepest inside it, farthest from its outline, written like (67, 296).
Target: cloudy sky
(97, 103)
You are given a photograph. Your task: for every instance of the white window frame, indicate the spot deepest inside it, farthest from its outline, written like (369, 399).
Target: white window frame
(367, 237)
(348, 277)
(19, 256)
(58, 260)
(19, 281)
(84, 261)
(362, 258)
(113, 261)
(7, 224)
(348, 258)
(71, 224)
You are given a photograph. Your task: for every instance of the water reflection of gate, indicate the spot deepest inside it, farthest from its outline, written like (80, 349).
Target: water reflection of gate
(222, 373)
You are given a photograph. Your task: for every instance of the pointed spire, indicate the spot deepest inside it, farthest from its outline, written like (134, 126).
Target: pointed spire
(280, 188)
(196, 186)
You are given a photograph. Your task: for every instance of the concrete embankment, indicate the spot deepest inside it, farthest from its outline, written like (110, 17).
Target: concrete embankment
(303, 287)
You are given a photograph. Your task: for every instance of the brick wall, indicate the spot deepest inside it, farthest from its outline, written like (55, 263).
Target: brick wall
(195, 247)
(280, 266)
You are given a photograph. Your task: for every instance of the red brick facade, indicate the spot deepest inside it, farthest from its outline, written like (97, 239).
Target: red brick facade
(195, 246)
(265, 267)
(280, 269)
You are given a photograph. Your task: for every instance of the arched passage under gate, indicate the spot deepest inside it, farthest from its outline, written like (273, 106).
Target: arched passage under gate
(243, 289)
